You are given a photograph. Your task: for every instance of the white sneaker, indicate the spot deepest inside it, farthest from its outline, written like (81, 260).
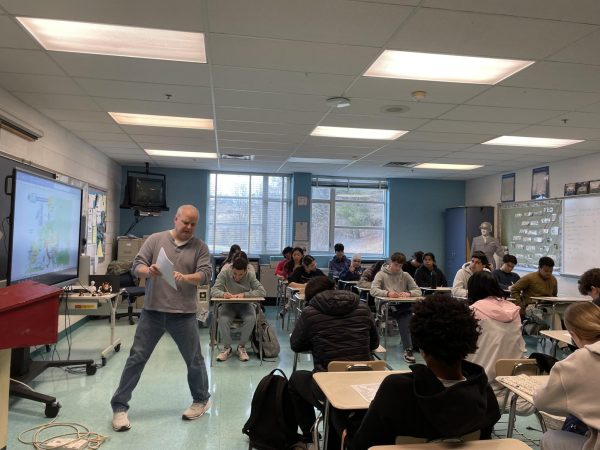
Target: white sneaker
(196, 410)
(242, 354)
(120, 421)
(226, 353)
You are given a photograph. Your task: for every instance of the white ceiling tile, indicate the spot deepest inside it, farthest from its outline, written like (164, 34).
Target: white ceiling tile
(114, 138)
(72, 115)
(575, 119)
(112, 145)
(389, 122)
(534, 98)
(290, 55)
(461, 33)
(584, 51)
(561, 132)
(89, 126)
(43, 84)
(269, 115)
(13, 36)
(457, 126)
(57, 101)
(261, 127)
(434, 146)
(165, 108)
(267, 100)
(558, 76)
(377, 107)
(27, 61)
(501, 115)
(163, 131)
(259, 137)
(345, 142)
(334, 21)
(454, 138)
(168, 138)
(253, 145)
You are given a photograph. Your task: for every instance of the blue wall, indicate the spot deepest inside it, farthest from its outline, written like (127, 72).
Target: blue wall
(184, 186)
(416, 214)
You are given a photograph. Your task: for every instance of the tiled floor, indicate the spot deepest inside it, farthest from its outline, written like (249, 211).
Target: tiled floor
(162, 394)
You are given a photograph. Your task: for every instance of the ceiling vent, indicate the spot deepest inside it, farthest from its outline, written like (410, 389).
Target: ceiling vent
(395, 109)
(405, 165)
(237, 156)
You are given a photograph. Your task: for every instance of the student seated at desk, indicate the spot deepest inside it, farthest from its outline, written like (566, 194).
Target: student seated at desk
(233, 251)
(589, 284)
(505, 275)
(304, 273)
(334, 325)
(236, 282)
(339, 262)
(354, 271)
(478, 263)
(280, 269)
(536, 284)
(392, 282)
(573, 383)
(501, 336)
(369, 274)
(447, 397)
(429, 275)
(237, 255)
(294, 262)
(411, 266)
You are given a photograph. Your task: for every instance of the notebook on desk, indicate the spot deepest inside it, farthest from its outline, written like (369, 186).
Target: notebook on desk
(113, 281)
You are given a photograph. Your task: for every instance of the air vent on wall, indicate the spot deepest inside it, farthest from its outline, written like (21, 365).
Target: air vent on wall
(237, 156)
(19, 127)
(406, 165)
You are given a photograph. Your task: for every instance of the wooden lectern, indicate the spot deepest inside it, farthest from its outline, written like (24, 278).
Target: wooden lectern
(28, 316)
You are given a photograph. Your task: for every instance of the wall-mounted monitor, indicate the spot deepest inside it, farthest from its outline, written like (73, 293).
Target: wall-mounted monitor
(44, 230)
(145, 191)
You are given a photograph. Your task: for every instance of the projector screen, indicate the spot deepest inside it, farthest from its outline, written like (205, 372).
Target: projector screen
(45, 230)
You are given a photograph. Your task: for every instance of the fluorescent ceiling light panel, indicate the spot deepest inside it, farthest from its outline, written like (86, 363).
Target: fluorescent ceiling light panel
(148, 120)
(117, 40)
(357, 133)
(448, 68)
(319, 161)
(523, 141)
(447, 166)
(181, 154)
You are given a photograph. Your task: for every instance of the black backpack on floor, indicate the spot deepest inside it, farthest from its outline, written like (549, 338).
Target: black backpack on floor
(272, 423)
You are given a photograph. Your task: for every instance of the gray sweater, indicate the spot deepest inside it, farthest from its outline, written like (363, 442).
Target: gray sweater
(190, 257)
(249, 285)
(388, 281)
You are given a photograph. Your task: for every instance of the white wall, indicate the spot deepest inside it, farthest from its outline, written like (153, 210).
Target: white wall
(486, 191)
(62, 152)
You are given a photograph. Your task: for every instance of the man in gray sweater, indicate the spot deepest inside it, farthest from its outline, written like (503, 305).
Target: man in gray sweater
(169, 309)
(237, 282)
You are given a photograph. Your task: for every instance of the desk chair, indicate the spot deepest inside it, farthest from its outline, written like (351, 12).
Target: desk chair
(130, 292)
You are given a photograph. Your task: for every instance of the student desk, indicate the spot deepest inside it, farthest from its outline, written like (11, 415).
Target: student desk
(291, 298)
(558, 336)
(382, 305)
(493, 444)
(97, 305)
(343, 284)
(541, 380)
(216, 302)
(560, 301)
(339, 393)
(437, 290)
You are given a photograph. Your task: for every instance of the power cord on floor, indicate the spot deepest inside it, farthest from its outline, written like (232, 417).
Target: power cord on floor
(79, 437)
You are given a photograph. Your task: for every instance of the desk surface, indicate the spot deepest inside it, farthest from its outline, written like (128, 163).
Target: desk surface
(89, 297)
(563, 299)
(238, 300)
(437, 289)
(401, 299)
(540, 381)
(558, 335)
(493, 444)
(337, 386)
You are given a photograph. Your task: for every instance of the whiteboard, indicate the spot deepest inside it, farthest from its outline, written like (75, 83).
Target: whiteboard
(581, 234)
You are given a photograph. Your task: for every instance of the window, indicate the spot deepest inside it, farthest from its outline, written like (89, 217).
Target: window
(249, 210)
(352, 212)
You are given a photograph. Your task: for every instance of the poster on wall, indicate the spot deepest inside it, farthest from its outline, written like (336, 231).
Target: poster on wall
(540, 183)
(507, 193)
(96, 224)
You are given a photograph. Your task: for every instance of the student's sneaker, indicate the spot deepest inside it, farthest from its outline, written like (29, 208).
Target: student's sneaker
(120, 421)
(226, 353)
(409, 357)
(242, 353)
(196, 410)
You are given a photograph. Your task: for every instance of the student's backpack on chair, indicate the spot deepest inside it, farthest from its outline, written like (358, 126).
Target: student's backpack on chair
(272, 422)
(266, 333)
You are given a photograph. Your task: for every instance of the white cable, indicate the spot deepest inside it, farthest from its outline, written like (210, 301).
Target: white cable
(94, 440)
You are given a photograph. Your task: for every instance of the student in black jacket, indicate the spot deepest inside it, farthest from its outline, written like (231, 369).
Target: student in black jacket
(429, 275)
(334, 326)
(301, 275)
(448, 397)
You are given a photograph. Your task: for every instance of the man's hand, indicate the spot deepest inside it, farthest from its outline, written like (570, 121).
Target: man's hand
(154, 271)
(228, 295)
(179, 276)
(404, 294)
(393, 294)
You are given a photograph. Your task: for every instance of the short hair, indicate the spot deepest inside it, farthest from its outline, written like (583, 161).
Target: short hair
(339, 247)
(286, 251)
(589, 279)
(240, 263)
(509, 259)
(307, 260)
(444, 328)
(482, 285)
(478, 254)
(546, 261)
(431, 255)
(356, 256)
(418, 256)
(584, 319)
(316, 285)
(398, 257)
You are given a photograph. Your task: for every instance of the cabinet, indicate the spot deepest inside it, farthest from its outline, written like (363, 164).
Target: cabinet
(269, 280)
(461, 226)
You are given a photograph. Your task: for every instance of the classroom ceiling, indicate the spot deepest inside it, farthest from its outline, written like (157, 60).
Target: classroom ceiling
(272, 64)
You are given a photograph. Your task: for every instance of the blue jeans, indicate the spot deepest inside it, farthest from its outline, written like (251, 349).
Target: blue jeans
(183, 328)
(402, 314)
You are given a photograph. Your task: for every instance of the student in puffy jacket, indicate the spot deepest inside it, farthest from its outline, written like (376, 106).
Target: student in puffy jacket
(429, 275)
(334, 325)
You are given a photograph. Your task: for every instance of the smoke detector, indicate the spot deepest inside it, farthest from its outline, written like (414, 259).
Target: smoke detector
(418, 95)
(338, 102)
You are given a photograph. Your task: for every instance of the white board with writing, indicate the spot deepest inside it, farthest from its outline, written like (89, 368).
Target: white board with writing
(581, 234)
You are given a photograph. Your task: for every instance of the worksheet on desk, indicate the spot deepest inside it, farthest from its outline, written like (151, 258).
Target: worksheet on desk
(367, 391)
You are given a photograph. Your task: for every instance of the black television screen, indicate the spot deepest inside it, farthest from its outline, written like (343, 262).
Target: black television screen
(44, 230)
(145, 191)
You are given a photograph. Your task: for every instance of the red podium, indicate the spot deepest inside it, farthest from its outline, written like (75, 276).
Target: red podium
(29, 316)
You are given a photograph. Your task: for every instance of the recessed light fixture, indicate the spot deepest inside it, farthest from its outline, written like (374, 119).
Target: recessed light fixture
(116, 40)
(319, 161)
(448, 68)
(524, 141)
(162, 121)
(357, 133)
(181, 154)
(440, 166)
(338, 102)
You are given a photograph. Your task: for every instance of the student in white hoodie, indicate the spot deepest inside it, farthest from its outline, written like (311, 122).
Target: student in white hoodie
(500, 337)
(573, 386)
(478, 262)
(392, 282)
